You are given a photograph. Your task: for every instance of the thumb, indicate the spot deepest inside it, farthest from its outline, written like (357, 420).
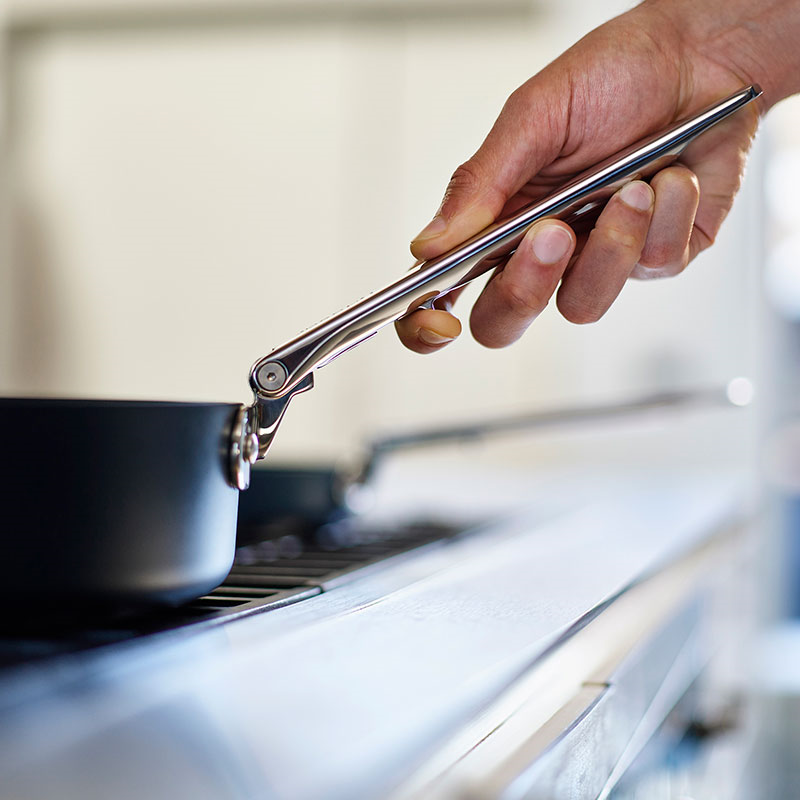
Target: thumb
(528, 135)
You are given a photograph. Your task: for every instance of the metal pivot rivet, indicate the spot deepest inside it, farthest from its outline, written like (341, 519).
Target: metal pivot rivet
(272, 376)
(238, 458)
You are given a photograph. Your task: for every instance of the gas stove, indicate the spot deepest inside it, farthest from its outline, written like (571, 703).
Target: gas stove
(543, 649)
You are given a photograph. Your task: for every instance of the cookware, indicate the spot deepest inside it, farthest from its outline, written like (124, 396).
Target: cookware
(113, 503)
(128, 504)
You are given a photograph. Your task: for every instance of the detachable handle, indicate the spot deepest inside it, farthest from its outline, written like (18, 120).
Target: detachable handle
(288, 369)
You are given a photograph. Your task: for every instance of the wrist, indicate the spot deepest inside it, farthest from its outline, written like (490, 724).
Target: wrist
(756, 42)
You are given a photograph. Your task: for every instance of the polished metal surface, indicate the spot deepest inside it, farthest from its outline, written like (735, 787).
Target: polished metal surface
(243, 450)
(277, 376)
(593, 752)
(265, 415)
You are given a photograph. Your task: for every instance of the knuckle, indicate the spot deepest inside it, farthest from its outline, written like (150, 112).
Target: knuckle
(620, 238)
(466, 183)
(657, 256)
(705, 238)
(678, 172)
(520, 300)
(517, 98)
(466, 178)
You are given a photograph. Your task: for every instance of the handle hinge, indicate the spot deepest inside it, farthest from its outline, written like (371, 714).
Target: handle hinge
(266, 413)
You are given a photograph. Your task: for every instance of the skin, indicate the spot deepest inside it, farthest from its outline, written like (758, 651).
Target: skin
(659, 62)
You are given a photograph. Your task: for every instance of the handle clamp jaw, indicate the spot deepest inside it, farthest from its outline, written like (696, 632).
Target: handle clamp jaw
(267, 410)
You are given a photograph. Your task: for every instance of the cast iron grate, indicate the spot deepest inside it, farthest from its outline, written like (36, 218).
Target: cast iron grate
(265, 576)
(289, 568)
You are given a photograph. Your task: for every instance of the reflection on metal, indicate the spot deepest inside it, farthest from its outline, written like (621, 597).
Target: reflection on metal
(266, 414)
(243, 450)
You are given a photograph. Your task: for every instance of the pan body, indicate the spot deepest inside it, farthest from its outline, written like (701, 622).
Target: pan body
(113, 505)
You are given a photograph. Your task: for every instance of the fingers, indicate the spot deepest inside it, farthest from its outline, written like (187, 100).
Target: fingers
(644, 231)
(613, 249)
(718, 159)
(472, 200)
(516, 295)
(511, 300)
(527, 135)
(666, 251)
(427, 330)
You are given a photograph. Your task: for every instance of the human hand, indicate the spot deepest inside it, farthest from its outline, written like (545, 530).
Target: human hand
(625, 80)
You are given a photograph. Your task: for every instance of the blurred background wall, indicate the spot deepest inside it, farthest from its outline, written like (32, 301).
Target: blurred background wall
(193, 182)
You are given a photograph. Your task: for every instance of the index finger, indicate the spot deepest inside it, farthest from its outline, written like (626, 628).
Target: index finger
(527, 135)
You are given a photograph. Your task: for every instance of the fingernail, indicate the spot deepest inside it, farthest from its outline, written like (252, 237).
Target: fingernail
(551, 243)
(638, 195)
(432, 338)
(435, 227)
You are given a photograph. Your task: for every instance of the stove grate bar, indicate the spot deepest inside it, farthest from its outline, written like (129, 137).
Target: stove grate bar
(265, 576)
(283, 570)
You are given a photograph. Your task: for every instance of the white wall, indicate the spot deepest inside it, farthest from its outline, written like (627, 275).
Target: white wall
(191, 194)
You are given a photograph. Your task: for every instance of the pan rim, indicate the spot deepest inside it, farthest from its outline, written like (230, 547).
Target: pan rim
(105, 402)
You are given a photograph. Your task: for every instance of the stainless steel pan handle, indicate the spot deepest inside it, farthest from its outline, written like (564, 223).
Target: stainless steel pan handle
(288, 369)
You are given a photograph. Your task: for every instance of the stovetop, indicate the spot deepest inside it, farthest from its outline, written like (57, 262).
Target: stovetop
(386, 644)
(291, 566)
